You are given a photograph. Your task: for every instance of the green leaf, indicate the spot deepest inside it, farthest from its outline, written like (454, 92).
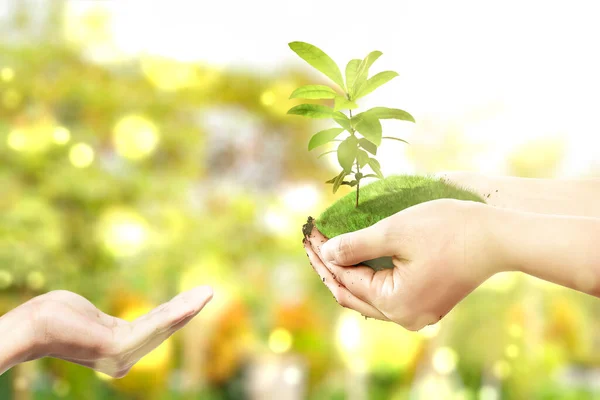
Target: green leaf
(319, 60)
(374, 82)
(368, 146)
(363, 70)
(338, 181)
(342, 103)
(362, 158)
(322, 137)
(343, 120)
(389, 113)
(376, 167)
(327, 152)
(311, 111)
(313, 92)
(332, 180)
(371, 176)
(395, 138)
(346, 153)
(352, 183)
(369, 127)
(351, 71)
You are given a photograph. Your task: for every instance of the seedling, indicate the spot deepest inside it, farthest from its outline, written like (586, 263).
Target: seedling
(363, 133)
(357, 149)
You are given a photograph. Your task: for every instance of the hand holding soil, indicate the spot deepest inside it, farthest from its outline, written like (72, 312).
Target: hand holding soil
(441, 251)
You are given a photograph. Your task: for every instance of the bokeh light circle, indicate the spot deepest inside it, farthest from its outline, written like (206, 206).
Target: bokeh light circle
(135, 137)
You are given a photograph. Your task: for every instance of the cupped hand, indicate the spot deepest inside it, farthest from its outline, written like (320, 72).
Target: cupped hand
(67, 326)
(442, 250)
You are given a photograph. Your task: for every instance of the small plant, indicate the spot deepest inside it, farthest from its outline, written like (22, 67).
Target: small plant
(358, 149)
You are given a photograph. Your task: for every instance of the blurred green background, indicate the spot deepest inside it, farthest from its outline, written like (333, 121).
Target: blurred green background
(127, 179)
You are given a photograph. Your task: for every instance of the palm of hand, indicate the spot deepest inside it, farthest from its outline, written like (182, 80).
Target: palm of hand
(69, 327)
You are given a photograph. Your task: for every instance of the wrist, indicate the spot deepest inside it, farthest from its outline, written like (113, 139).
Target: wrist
(556, 248)
(17, 333)
(499, 225)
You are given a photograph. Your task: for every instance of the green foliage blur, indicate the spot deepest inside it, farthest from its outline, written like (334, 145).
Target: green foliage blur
(127, 180)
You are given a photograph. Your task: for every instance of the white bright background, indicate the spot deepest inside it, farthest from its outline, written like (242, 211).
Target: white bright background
(500, 73)
(503, 73)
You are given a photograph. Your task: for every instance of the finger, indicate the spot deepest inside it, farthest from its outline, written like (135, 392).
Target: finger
(182, 306)
(355, 247)
(358, 280)
(341, 294)
(182, 323)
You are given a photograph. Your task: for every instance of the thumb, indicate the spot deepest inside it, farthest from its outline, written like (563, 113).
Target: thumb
(355, 247)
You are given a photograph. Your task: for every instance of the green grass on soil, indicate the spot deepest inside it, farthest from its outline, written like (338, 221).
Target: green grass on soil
(382, 198)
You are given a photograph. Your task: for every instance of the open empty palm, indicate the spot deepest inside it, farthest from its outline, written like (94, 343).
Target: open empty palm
(69, 327)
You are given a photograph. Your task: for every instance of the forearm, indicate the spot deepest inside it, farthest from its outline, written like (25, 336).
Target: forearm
(576, 197)
(560, 249)
(16, 344)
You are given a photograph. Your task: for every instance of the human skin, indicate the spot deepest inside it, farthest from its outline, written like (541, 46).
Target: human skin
(574, 197)
(64, 325)
(444, 249)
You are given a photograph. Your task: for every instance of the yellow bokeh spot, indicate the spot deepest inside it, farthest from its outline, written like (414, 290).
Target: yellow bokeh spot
(537, 158)
(280, 340)
(35, 280)
(211, 268)
(276, 98)
(11, 98)
(32, 135)
(135, 137)
(88, 27)
(7, 74)
(502, 282)
(157, 358)
(349, 334)
(268, 98)
(81, 155)
(515, 330)
(123, 232)
(61, 135)
(394, 348)
(16, 140)
(102, 376)
(6, 279)
(430, 331)
(501, 369)
(444, 360)
(168, 75)
(161, 355)
(512, 351)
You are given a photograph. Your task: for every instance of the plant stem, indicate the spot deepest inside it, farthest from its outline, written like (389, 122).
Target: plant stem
(357, 171)
(357, 183)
